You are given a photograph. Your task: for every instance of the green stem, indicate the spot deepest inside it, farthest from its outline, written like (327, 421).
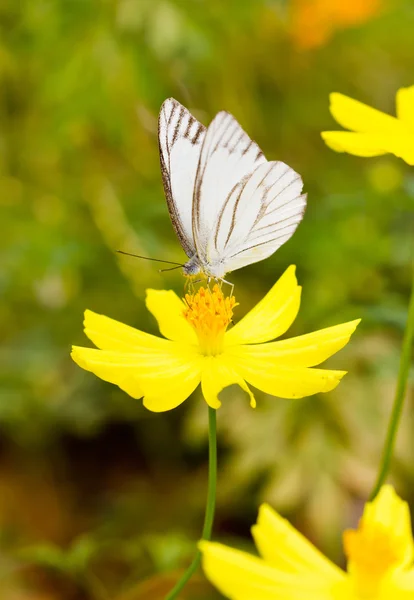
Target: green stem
(210, 506)
(403, 373)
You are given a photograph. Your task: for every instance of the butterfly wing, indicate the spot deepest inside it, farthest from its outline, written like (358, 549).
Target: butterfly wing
(227, 156)
(261, 215)
(227, 203)
(244, 207)
(180, 138)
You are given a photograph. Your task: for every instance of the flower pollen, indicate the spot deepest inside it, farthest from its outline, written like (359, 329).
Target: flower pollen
(209, 312)
(373, 551)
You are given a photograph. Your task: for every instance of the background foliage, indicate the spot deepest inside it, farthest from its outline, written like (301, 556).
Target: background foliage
(98, 497)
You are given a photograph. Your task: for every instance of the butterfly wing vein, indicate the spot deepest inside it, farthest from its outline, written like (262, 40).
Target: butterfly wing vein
(229, 206)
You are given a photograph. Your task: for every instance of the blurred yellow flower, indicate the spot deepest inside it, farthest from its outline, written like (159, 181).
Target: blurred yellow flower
(199, 348)
(313, 22)
(380, 556)
(373, 132)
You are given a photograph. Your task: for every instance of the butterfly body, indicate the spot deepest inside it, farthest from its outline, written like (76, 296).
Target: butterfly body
(195, 265)
(229, 206)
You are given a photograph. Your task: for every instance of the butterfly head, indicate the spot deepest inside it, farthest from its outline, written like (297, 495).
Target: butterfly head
(192, 267)
(195, 266)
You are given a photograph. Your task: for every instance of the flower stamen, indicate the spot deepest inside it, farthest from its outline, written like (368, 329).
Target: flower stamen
(209, 312)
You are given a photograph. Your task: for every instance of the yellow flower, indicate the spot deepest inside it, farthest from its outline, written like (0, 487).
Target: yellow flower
(373, 132)
(199, 348)
(379, 553)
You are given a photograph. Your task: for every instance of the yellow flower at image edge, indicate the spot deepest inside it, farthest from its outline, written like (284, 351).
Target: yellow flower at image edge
(379, 553)
(373, 132)
(198, 347)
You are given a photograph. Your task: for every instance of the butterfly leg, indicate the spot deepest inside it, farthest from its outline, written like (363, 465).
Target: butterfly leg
(230, 284)
(192, 283)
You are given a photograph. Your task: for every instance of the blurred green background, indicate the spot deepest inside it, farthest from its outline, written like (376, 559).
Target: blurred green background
(100, 498)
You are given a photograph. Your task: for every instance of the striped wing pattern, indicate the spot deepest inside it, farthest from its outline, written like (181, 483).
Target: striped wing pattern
(260, 215)
(227, 203)
(180, 137)
(227, 156)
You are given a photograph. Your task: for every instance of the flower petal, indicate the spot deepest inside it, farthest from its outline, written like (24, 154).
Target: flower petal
(282, 546)
(280, 380)
(376, 132)
(108, 368)
(401, 586)
(356, 116)
(168, 309)
(109, 334)
(168, 391)
(272, 316)
(240, 576)
(405, 106)
(359, 144)
(217, 375)
(302, 351)
(165, 377)
(401, 144)
(393, 514)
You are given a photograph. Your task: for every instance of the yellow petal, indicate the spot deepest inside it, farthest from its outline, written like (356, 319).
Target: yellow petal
(359, 144)
(281, 380)
(109, 334)
(303, 351)
(401, 144)
(272, 316)
(240, 576)
(166, 378)
(400, 586)
(356, 116)
(217, 375)
(405, 106)
(392, 514)
(109, 370)
(168, 309)
(405, 150)
(168, 391)
(282, 546)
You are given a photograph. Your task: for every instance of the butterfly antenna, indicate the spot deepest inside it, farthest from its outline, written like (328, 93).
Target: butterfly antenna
(168, 262)
(170, 269)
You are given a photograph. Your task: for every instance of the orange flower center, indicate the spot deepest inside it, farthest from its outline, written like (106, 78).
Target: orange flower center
(210, 313)
(373, 551)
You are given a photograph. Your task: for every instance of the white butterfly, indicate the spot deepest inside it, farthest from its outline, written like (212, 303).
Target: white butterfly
(229, 206)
